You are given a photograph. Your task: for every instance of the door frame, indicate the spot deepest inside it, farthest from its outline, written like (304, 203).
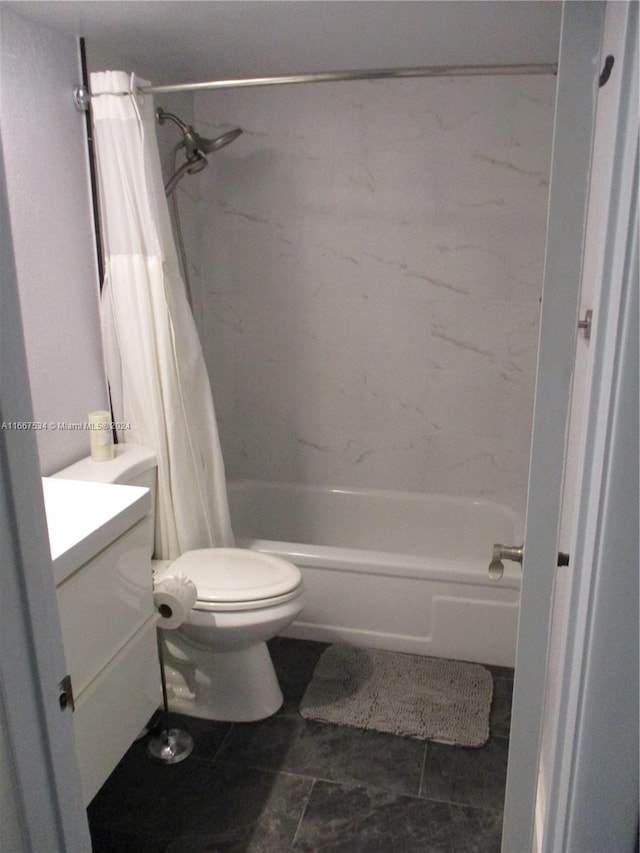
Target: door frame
(576, 99)
(46, 811)
(590, 785)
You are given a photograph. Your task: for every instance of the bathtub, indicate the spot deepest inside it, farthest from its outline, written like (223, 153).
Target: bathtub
(392, 570)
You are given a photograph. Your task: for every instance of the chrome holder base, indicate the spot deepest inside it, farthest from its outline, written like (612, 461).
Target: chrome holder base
(170, 746)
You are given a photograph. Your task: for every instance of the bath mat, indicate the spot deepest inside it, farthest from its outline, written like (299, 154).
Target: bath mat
(424, 698)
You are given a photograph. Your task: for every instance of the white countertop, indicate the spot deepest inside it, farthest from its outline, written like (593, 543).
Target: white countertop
(84, 517)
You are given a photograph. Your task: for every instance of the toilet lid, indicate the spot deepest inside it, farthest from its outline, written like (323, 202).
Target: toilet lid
(237, 574)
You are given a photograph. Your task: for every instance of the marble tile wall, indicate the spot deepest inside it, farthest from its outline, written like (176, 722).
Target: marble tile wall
(371, 269)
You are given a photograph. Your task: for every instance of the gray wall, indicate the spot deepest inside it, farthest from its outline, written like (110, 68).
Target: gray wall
(49, 202)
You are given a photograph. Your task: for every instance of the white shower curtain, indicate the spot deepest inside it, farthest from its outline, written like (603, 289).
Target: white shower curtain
(156, 371)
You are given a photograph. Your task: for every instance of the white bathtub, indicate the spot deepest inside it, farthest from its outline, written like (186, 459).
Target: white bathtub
(392, 570)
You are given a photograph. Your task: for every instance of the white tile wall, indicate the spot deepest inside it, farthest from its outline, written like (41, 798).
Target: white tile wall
(371, 268)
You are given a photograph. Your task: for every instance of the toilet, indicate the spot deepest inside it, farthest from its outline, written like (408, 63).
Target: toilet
(217, 663)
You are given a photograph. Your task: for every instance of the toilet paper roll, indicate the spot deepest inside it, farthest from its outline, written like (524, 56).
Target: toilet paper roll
(173, 595)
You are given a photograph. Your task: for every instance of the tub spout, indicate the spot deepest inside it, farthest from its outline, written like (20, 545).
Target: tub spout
(500, 553)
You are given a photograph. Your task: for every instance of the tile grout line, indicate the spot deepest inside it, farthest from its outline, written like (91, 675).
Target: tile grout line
(424, 768)
(222, 743)
(303, 813)
(345, 783)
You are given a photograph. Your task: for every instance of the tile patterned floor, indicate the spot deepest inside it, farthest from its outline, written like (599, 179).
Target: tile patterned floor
(289, 785)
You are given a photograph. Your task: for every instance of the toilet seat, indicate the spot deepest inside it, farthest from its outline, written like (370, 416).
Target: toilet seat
(238, 579)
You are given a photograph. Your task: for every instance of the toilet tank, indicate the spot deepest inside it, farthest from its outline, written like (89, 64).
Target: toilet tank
(132, 465)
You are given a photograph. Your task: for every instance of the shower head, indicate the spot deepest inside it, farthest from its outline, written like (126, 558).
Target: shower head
(195, 146)
(192, 141)
(221, 141)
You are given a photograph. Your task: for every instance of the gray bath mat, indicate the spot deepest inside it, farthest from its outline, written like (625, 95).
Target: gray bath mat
(424, 698)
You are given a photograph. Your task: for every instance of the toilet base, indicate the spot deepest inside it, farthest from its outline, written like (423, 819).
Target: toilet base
(235, 686)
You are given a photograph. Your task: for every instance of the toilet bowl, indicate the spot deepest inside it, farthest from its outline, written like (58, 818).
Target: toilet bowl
(217, 664)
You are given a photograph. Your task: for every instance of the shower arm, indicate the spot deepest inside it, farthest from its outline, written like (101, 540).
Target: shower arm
(162, 116)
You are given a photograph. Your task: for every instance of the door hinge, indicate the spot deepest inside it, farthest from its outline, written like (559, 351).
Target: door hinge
(65, 694)
(585, 324)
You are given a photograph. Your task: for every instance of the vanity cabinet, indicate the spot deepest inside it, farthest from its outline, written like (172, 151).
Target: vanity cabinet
(104, 586)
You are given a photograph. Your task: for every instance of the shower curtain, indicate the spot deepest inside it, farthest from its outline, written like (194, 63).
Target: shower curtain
(158, 380)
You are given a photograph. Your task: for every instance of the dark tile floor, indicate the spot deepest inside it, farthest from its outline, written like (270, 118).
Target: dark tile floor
(290, 784)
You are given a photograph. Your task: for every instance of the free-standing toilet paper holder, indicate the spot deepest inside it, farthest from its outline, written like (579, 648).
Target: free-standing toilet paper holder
(171, 745)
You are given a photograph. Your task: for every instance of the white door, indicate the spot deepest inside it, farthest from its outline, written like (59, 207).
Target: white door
(578, 73)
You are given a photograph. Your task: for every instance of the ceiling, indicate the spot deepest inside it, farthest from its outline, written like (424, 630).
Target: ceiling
(220, 39)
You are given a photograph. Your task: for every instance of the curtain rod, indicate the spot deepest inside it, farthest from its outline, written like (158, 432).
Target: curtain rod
(366, 74)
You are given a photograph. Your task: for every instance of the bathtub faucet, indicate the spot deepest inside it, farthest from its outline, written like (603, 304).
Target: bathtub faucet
(509, 552)
(500, 553)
